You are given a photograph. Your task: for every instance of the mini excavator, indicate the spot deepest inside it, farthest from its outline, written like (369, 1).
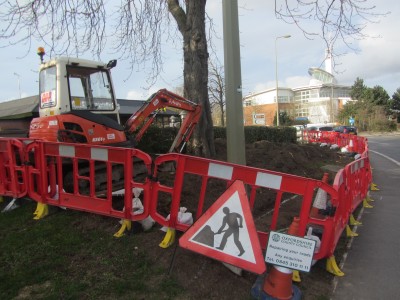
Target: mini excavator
(78, 105)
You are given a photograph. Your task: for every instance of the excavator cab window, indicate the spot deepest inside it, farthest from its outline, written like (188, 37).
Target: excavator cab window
(47, 87)
(90, 89)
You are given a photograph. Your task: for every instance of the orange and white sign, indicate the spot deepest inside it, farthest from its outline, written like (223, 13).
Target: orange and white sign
(226, 232)
(47, 99)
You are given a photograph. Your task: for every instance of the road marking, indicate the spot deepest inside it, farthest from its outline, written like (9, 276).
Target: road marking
(387, 157)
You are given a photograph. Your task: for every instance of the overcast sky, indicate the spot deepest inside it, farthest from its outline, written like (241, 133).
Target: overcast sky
(377, 62)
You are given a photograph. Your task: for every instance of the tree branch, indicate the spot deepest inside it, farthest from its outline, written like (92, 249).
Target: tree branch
(178, 13)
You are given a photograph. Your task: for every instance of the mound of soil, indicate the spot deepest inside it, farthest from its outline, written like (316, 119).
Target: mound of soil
(204, 278)
(303, 160)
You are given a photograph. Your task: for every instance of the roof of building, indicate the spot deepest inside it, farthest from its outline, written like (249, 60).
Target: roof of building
(321, 76)
(281, 88)
(26, 107)
(318, 86)
(20, 108)
(129, 106)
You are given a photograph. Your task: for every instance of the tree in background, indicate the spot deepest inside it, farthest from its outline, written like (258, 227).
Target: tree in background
(379, 96)
(394, 104)
(216, 91)
(358, 89)
(284, 119)
(395, 101)
(376, 95)
(371, 108)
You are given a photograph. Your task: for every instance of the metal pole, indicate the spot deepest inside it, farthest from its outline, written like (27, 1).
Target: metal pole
(276, 75)
(233, 84)
(19, 84)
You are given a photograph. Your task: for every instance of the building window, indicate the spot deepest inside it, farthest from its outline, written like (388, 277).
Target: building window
(249, 102)
(283, 99)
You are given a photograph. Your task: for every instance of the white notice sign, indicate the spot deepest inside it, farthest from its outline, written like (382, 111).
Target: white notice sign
(290, 251)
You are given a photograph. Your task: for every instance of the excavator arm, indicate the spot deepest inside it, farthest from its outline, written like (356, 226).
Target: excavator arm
(163, 99)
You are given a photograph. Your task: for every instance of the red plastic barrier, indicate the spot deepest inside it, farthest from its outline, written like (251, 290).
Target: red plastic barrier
(84, 177)
(311, 136)
(355, 143)
(351, 183)
(350, 188)
(257, 181)
(13, 180)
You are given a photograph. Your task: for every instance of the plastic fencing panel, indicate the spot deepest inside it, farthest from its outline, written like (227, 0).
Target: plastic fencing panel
(358, 181)
(269, 193)
(87, 178)
(343, 207)
(13, 179)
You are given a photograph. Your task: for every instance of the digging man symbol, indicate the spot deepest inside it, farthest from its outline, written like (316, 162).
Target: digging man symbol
(234, 222)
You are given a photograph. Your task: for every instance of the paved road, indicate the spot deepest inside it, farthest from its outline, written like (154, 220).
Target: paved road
(372, 265)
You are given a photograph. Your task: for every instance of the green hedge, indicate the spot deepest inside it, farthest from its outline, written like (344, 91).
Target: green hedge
(258, 133)
(159, 140)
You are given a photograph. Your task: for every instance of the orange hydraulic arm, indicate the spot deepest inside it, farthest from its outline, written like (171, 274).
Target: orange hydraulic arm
(160, 100)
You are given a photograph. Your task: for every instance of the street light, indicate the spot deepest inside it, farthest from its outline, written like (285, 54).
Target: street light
(276, 75)
(19, 84)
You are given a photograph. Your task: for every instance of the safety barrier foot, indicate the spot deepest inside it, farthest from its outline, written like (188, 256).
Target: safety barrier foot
(353, 221)
(296, 276)
(374, 187)
(366, 204)
(332, 267)
(349, 232)
(168, 239)
(125, 225)
(369, 199)
(41, 211)
(10, 206)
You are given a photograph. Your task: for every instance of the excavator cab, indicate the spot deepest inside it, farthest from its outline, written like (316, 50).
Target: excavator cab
(77, 103)
(71, 84)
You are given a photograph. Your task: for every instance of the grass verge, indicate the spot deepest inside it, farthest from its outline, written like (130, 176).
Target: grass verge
(73, 255)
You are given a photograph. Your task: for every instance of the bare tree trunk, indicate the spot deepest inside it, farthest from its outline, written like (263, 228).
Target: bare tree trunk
(221, 106)
(192, 27)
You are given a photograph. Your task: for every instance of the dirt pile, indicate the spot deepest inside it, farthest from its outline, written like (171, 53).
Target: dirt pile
(299, 159)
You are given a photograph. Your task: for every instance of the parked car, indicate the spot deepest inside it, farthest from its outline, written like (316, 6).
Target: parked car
(325, 128)
(320, 128)
(346, 129)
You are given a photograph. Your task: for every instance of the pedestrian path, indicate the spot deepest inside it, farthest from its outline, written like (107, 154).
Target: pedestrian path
(372, 264)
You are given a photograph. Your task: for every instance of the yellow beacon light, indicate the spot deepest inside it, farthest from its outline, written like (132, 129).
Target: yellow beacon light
(40, 52)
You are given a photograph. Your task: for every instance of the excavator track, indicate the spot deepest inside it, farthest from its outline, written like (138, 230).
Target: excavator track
(100, 178)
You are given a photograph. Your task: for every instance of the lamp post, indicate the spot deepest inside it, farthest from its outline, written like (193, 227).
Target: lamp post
(233, 84)
(276, 75)
(19, 84)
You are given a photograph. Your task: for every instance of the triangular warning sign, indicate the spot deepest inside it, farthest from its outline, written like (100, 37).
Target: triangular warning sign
(226, 232)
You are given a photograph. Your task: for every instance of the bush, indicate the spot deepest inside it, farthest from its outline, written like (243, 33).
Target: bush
(157, 140)
(383, 125)
(258, 133)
